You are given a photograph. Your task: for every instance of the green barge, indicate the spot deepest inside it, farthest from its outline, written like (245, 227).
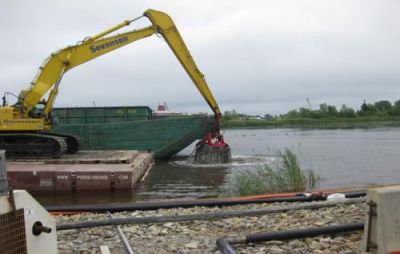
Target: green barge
(131, 128)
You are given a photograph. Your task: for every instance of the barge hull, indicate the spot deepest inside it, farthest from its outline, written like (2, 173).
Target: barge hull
(131, 128)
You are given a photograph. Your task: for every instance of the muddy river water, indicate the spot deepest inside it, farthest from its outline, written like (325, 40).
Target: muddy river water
(341, 158)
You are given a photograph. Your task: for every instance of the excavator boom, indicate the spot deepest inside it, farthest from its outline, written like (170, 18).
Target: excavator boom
(54, 67)
(23, 116)
(166, 27)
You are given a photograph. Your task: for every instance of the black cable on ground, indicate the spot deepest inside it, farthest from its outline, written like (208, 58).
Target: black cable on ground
(206, 216)
(225, 244)
(187, 203)
(355, 194)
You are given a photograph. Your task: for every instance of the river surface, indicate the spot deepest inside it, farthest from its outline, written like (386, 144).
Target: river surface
(341, 158)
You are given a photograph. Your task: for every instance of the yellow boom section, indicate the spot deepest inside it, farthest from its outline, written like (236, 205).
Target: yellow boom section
(53, 68)
(166, 27)
(65, 59)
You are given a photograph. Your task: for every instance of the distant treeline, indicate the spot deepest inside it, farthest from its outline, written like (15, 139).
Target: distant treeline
(379, 108)
(327, 116)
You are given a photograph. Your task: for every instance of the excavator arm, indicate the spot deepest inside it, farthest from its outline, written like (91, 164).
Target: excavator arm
(19, 120)
(54, 67)
(166, 27)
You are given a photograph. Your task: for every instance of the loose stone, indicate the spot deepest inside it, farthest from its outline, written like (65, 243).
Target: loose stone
(200, 236)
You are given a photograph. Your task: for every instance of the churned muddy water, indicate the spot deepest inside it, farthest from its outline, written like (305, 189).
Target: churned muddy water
(342, 158)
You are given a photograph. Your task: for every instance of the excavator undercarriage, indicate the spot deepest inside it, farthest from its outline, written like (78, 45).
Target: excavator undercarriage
(37, 144)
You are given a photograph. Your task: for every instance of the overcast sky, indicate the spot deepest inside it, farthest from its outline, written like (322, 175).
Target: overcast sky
(257, 56)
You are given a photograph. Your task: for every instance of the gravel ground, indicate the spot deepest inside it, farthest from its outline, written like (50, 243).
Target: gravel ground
(200, 236)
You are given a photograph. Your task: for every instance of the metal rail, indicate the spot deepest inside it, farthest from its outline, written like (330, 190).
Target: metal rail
(123, 237)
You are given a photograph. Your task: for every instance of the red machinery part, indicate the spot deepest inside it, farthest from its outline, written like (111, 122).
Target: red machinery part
(214, 140)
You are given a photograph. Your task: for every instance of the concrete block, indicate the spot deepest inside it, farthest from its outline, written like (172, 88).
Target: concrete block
(382, 227)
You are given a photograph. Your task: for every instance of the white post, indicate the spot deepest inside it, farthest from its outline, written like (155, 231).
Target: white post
(382, 225)
(3, 174)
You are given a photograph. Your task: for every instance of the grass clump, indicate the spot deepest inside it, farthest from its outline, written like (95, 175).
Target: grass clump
(285, 175)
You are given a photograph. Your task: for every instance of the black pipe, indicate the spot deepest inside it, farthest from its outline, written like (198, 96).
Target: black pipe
(224, 244)
(301, 233)
(187, 203)
(173, 204)
(355, 194)
(203, 216)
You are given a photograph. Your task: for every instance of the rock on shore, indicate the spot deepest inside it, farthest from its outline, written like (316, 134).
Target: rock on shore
(200, 236)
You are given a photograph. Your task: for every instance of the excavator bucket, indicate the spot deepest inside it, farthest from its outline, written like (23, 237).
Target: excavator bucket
(212, 149)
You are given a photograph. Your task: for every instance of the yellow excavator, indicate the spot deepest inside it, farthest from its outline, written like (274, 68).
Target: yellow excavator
(23, 125)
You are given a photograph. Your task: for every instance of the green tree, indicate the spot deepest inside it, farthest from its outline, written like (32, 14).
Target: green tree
(268, 117)
(332, 111)
(292, 114)
(327, 110)
(395, 110)
(323, 109)
(347, 112)
(383, 106)
(367, 109)
(230, 115)
(304, 112)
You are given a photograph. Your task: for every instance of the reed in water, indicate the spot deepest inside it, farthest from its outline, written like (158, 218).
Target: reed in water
(285, 175)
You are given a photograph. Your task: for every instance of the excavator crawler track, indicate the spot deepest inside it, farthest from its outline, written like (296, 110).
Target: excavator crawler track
(74, 143)
(32, 145)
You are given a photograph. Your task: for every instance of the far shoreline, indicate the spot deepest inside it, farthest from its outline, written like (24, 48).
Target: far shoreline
(310, 123)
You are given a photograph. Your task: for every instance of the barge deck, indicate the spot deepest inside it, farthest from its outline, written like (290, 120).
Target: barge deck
(84, 171)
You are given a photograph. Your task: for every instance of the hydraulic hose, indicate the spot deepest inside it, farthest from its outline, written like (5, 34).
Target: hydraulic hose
(205, 216)
(188, 203)
(225, 244)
